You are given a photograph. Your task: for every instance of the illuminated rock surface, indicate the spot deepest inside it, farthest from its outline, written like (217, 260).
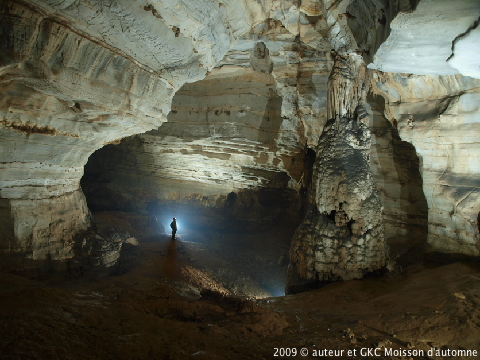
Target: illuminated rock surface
(332, 138)
(439, 116)
(440, 37)
(77, 75)
(231, 99)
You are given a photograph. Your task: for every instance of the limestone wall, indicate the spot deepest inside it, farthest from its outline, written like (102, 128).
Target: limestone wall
(77, 75)
(439, 116)
(395, 166)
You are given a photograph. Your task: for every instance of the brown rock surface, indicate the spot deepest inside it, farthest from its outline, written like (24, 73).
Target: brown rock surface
(156, 311)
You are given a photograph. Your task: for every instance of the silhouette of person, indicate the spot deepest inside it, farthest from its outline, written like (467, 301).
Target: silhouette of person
(173, 225)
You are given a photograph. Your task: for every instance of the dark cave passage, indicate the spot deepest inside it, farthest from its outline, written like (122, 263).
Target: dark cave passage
(241, 239)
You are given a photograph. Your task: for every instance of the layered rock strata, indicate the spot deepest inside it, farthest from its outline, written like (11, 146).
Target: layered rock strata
(77, 75)
(439, 116)
(247, 125)
(220, 137)
(395, 167)
(218, 154)
(342, 236)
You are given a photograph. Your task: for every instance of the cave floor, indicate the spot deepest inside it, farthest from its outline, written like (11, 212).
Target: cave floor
(155, 310)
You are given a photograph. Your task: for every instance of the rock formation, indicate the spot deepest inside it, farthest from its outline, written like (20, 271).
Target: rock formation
(439, 115)
(395, 166)
(210, 101)
(440, 37)
(342, 236)
(436, 111)
(78, 75)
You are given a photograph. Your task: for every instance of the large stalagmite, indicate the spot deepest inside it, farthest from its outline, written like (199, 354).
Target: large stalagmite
(342, 236)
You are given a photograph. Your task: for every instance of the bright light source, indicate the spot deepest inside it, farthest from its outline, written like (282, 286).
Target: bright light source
(166, 221)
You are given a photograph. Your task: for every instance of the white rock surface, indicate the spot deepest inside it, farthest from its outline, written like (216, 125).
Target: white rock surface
(439, 38)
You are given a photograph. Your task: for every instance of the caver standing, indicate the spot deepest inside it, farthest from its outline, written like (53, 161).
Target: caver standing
(173, 225)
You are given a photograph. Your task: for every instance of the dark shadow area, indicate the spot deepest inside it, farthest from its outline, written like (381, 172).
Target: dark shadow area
(407, 164)
(297, 285)
(6, 224)
(306, 179)
(436, 259)
(300, 288)
(101, 181)
(478, 222)
(361, 20)
(170, 266)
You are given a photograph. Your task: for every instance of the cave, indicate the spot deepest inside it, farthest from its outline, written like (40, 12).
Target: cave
(320, 158)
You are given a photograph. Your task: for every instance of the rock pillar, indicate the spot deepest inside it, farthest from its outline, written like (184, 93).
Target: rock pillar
(342, 236)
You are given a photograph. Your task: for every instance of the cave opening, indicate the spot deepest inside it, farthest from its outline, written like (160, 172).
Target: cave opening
(213, 166)
(239, 239)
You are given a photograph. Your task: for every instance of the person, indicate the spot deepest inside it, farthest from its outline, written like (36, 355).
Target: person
(173, 225)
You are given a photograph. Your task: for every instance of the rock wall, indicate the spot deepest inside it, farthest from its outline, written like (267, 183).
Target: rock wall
(77, 75)
(439, 116)
(220, 137)
(395, 167)
(440, 37)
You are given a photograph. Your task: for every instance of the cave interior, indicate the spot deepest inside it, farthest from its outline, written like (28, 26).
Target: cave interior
(320, 158)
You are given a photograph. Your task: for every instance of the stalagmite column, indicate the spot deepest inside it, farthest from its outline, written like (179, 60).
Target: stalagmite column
(342, 235)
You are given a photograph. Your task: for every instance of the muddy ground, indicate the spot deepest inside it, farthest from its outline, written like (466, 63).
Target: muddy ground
(213, 296)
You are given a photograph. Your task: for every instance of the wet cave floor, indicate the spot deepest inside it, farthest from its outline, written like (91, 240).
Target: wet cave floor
(158, 310)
